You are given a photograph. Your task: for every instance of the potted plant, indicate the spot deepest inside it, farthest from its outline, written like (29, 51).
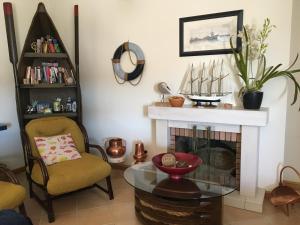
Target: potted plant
(252, 66)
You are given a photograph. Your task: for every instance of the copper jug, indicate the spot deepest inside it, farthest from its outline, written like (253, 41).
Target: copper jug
(140, 153)
(116, 147)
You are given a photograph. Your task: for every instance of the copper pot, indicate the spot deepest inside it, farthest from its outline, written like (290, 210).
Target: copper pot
(140, 153)
(116, 147)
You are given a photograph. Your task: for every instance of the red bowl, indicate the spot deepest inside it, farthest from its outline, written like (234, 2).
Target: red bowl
(176, 173)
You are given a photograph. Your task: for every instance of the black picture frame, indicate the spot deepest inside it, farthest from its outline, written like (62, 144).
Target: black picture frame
(215, 17)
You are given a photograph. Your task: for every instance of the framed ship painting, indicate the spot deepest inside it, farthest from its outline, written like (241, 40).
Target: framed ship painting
(210, 34)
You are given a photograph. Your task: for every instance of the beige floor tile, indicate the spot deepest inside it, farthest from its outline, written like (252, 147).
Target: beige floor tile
(231, 214)
(95, 216)
(281, 219)
(35, 221)
(62, 219)
(117, 174)
(124, 195)
(93, 207)
(258, 221)
(129, 222)
(64, 205)
(33, 209)
(91, 198)
(123, 210)
(269, 209)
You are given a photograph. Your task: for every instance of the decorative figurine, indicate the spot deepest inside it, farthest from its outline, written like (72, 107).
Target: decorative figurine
(32, 108)
(69, 105)
(168, 160)
(34, 46)
(74, 106)
(163, 89)
(57, 105)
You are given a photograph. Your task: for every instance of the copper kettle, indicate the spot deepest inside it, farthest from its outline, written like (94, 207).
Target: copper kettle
(116, 147)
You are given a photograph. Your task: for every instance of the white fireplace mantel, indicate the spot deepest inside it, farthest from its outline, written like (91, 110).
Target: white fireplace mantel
(248, 121)
(235, 116)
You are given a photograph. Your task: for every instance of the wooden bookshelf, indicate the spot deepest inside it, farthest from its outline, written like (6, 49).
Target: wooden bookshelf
(43, 26)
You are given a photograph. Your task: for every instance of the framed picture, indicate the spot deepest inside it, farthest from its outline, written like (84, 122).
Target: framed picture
(210, 34)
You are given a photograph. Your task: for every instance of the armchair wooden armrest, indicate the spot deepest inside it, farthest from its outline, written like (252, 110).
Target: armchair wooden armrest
(101, 150)
(42, 167)
(10, 175)
(31, 159)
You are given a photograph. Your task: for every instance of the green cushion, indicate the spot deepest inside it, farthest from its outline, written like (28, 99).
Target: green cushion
(11, 195)
(73, 175)
(51, 126)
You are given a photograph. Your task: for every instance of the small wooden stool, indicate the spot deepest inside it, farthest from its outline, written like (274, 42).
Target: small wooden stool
(285, 195)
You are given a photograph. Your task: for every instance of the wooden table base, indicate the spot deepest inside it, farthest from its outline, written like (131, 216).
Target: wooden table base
(154, 210)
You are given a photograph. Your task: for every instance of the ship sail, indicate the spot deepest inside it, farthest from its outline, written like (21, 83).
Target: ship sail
(204, 83)
(183, 89)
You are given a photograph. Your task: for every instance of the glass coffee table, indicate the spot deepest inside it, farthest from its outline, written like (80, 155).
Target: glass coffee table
(195, 199)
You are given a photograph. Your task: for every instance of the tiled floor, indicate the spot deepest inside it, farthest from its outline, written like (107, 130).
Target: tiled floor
(92, 207)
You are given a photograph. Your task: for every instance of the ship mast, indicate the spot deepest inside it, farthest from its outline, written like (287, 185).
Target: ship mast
(192, 80)
(212, 80)
(201, 79)
(220, 80)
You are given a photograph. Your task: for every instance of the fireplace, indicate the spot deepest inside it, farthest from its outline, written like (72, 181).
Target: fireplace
(236, 129)
(220, 151)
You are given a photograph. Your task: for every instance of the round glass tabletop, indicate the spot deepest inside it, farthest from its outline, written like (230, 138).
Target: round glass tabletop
(204, 182)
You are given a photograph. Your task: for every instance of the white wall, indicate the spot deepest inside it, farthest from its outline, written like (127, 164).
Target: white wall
(292, 145)
(10, 142)
(119, 110)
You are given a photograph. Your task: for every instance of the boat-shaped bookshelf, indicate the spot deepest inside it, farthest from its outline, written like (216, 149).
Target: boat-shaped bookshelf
(45, 71)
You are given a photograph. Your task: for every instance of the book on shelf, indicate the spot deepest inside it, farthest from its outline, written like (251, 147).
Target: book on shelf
(48, 73)
(45, 45)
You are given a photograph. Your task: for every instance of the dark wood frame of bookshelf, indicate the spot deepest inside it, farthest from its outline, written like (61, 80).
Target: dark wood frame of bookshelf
(41, 26)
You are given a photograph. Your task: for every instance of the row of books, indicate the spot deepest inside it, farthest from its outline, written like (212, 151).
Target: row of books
(49, 73)
(46, 45)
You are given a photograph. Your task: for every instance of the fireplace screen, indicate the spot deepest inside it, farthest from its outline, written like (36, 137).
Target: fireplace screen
(220, 152)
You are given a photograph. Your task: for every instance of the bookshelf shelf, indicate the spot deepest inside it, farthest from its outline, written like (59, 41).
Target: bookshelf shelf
(45, 55)
(39, 86)
(40, 115)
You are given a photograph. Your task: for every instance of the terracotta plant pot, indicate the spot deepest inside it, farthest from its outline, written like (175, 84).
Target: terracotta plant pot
(176, 101)
(252, 100)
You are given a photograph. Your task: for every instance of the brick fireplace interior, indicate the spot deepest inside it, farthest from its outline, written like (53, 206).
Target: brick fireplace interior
(220, 152)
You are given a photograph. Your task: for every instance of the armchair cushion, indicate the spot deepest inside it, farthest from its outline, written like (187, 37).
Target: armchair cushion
(73, 175)
(56, 149)
(11, 195)
(51, 126)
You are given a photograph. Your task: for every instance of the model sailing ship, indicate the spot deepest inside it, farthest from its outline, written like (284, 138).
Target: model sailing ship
(205, 84)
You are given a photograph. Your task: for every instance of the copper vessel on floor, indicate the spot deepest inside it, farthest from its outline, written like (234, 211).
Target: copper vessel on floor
(140, 154)
(116, 147)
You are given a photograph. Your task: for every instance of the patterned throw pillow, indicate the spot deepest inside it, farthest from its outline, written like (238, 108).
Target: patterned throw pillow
(56, 149)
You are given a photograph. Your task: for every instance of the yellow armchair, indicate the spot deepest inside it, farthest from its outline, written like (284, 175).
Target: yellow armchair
(67, 176)
(12, 194)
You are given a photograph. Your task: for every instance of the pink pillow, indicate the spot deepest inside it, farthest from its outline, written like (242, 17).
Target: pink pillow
(56, 149)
